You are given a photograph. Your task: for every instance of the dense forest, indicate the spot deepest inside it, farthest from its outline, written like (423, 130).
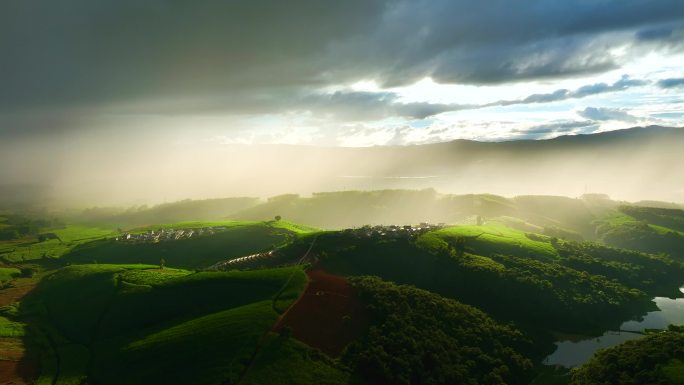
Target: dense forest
(418, 337)
(656, 359)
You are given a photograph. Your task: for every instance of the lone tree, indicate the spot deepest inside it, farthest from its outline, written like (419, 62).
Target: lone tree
(278, 217)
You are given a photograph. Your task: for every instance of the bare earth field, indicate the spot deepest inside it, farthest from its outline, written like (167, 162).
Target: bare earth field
(16, 366)
(327, 316)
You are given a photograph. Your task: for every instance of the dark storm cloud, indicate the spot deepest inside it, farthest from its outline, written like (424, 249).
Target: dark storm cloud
(342, 105)
(541, 98)
(671, 83)
(668, 36)
(600, 113)
(497, 41)
(90, 53)
(372, 105)
(351, 106)
(375, 105)
(356, 105)
(624, 83)
(589, 90)
(655, 33)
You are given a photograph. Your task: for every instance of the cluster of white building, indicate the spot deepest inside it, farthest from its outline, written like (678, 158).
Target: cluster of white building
(389, 231)
(154, 236)
(393, 231)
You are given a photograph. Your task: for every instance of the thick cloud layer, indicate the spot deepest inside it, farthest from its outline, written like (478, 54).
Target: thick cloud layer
(80, 52)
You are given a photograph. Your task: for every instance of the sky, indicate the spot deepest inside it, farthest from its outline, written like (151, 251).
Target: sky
(113, 79)
(351, 73)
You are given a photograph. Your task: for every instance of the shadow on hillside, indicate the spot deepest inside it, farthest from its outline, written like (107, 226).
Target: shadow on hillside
(194, 253)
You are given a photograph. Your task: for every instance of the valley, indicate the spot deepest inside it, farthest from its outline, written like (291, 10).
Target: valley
(234, 300)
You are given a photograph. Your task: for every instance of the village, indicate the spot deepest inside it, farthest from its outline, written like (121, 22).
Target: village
(368, 231)
(392, 231)
(155, 236)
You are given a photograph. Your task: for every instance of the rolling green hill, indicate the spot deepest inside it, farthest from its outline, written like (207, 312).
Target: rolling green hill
(493, 239)
(555, 295)
(561, 217)
(645, 229)
(136, 324)
(113, 316)
(237, 239)
(7, 274)
(284, 361)
(69, 237)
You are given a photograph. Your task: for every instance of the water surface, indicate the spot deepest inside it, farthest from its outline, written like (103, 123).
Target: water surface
(571, 354)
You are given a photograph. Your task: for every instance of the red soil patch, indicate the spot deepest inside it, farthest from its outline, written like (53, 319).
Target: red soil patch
(16, 367)
(327, 316)
(11, 349)
(21, 287)
(18, 372)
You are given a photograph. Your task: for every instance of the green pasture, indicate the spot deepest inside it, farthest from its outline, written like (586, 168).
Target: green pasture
(495, 239)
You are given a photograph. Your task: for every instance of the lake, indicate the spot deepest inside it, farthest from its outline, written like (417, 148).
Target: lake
(571, 354)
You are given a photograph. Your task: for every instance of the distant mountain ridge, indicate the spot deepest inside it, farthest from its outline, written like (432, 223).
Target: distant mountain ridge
(643, 163)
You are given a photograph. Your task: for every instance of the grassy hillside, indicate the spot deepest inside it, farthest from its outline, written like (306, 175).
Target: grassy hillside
(217, 347)
(236, 240)
(115, 317)
(282, 360)
(663, 217)
(494, 239)
(135, 324)
(562, 212)
(70, 236)
(7, 274)
(555, 295)
(656, 275)
(87, 243)
(276, 224)
(645, 229)
(562, 217)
